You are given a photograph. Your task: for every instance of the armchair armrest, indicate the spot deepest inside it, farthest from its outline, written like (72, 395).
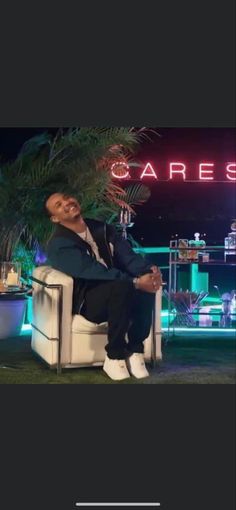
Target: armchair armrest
(52, 310)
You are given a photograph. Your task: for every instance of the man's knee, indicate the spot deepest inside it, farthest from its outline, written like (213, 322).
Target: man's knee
(123, 287)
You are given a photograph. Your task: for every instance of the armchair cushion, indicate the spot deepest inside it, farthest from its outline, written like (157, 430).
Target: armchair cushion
(82, 342)
(82, 325)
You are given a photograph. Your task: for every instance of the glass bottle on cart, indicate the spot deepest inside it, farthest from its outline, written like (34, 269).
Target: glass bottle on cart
(230, 244)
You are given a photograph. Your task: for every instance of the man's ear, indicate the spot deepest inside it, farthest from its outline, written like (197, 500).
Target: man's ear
(54, 219)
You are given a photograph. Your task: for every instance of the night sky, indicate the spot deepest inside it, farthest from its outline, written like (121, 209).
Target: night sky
(174, 207)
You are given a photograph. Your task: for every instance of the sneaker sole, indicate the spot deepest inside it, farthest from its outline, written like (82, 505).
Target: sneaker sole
(116, 378)
(134, 375)
(139, 376)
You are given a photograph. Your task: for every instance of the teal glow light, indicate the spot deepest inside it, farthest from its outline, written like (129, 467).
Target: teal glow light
(159, 249)
(211, 299)
(26, 327)
(207, 330)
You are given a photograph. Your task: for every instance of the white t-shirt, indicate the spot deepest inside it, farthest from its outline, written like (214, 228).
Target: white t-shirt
(87, 237)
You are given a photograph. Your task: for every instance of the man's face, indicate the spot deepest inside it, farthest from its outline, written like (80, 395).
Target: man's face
(63, 208)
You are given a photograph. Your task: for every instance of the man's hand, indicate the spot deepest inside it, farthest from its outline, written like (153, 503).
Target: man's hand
(150, 282)
(155, 269)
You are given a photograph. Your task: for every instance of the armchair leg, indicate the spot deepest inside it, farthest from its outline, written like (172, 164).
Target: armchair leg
(153, 347)
(59, 369)
(60, 307)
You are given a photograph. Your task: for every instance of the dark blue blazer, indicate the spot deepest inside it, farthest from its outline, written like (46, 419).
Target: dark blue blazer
(70, 254)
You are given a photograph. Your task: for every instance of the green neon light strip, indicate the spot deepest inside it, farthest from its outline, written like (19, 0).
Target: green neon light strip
(212, 299)
(208, 330)
(161, 249)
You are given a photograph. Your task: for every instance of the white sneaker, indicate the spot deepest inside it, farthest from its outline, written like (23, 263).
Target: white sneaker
(136, 365)
(116, 369)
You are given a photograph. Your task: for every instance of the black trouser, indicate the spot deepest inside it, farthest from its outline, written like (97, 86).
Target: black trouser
(126, 310)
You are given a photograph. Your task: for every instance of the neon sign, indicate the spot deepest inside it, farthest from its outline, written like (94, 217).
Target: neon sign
(204, 171)
(148, 172)
(178, 168)
(231, 171)
(120, 170)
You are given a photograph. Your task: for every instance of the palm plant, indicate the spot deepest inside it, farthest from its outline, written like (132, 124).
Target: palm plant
(135, 195)
(76, 161)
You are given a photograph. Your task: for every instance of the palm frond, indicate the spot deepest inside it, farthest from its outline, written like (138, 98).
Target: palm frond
(35, 144)
(137, 194)
(76, 161)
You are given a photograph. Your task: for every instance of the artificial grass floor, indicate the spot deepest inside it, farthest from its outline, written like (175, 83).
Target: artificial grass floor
(184, 362)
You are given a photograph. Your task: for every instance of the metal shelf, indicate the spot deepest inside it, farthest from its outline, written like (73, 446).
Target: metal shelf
(210, 263)
(185, 308)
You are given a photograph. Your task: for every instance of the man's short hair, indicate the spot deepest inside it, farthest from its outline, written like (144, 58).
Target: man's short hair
(46, 210)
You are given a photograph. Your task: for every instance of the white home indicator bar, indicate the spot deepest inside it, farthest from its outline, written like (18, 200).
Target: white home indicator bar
(119, 504)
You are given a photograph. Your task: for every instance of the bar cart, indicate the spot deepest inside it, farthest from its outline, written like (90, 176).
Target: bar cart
(186, 308)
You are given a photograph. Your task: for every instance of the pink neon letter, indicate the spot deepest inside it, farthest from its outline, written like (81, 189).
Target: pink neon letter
(120, 164)
(208, 173)
(178, 168)
(148, 171)
(231, 175)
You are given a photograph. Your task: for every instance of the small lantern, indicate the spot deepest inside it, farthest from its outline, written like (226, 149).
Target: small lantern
(11, 273)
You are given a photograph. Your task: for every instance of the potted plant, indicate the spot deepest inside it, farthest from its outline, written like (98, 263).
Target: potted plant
(77, 161)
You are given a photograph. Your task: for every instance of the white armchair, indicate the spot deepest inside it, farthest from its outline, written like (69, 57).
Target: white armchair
(65, 340)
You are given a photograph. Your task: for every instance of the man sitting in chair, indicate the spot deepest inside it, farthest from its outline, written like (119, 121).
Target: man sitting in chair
(111, 283)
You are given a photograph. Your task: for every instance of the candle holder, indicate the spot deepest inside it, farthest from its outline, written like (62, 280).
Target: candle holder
(125, 221)
(10, 274)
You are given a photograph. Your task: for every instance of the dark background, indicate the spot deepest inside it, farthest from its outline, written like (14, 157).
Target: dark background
(168, 64)
(174, 207)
